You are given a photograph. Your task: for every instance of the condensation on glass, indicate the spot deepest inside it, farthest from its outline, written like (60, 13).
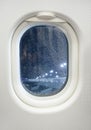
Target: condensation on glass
(44, 60)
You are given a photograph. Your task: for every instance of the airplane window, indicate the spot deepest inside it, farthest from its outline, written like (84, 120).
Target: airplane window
(44, 60)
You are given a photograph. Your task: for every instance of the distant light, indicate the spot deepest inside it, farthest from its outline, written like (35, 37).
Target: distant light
(62, 65)
(56, 72)
(51, 71)
(46, 74)
(57, 76)
(65, 64)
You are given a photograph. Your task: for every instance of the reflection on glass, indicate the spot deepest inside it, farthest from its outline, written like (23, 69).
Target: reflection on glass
(44, 60)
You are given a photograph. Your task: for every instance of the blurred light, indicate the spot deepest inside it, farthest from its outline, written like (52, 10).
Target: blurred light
(51, 71)
(43, 76)
(62, 65)
(57, 76)
(46, 74)
(65, 64)
(37, 77)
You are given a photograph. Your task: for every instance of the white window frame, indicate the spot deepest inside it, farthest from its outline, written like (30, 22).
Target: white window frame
(28, 100)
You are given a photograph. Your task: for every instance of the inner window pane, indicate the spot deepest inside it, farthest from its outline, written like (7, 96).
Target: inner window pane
(44, 60)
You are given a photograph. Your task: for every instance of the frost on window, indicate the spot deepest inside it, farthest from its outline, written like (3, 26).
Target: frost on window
(44, 60)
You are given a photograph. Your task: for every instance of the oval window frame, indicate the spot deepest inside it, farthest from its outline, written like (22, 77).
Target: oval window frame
(27, 99)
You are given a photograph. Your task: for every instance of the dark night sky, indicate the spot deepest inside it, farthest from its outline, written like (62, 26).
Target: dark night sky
(43, 53)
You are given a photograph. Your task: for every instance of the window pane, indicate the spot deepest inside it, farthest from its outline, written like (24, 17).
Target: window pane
(44, 60)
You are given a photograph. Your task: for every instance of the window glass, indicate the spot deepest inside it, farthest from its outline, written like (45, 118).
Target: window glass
(44, 60)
